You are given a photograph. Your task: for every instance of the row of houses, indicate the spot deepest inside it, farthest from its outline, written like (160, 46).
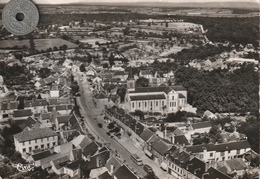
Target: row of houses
(162, 151)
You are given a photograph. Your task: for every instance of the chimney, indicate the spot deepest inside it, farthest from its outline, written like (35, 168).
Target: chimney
(111, 168)
(204, 175)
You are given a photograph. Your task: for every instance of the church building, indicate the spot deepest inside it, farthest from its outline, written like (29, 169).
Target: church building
(163, 99)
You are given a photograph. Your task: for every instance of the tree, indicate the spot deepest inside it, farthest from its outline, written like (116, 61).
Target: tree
(111, 125)
(44, 72)
(105, 65)
(140, 114)
(55, 48)
(142, 82)
(82, 68)
(166, 24)
(121, 92)
(32, 44)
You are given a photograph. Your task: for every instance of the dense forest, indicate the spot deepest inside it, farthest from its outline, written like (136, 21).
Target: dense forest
(236, 30)
(221, 90)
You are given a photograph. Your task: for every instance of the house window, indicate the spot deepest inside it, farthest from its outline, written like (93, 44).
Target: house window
(139, 104)
(156, 103)
(24, 150)
(48, 145)
(30, 149)
(229, 151)
(181, 171)
(178, 170)
(53, 143)
(238, 152)
(144, 104)
(133, 105)
(162, 103)
(223, 158)
(151, 104)
(172, 97)
(42, 146)
(36, 147)
(211, 154)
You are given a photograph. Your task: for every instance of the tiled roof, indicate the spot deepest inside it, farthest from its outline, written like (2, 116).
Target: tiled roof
(236, 164)
(161, 147)
(37, 102)
(120, 73)
(146, 72)
(74, 165)
(181, 139)
(81, 141)
(124, 173)
(178, 132)
(61, 107)
(45, 116)
(178, 88)
(147, 97)
(91, 149)
(29, 122)
(63, 118)
(105, 175)
(38, 133)
(13, 104)
(4, 106)
(41, 155)
(113, 161)
(219, 147)
(146, 134)
(196, 167)
(216, 174)
(60, 162)
(53, 101)
(139, 128)
(22, 113)
(200, 125)
(148, 89)
(180, 158)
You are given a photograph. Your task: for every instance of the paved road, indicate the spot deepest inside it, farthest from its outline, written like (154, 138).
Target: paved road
(86, 104)
(124, 147)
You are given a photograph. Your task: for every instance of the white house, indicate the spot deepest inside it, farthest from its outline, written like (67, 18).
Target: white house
(219, 152)
(40, 138)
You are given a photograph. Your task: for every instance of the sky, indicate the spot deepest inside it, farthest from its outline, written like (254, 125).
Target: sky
(92, 1)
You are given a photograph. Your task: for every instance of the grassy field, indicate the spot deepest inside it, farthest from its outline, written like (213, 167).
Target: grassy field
(40, 44)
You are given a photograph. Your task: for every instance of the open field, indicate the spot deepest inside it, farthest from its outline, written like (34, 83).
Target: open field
(40, 44)
(93, 40)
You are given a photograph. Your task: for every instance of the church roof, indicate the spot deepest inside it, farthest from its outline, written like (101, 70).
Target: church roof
(147, 97)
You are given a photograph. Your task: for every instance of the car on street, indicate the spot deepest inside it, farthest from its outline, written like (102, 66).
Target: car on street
(148, 168)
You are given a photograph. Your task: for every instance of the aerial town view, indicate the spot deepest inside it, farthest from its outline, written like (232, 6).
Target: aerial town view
(132, 90)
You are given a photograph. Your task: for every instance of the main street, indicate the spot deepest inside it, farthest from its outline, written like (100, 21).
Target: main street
(122, 147)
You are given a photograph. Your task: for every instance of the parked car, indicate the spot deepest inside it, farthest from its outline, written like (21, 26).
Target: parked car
(148, 169)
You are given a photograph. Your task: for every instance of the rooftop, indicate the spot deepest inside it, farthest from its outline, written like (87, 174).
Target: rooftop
(147, 97)
(201, 125)
(38, 133)
(124, 173)
(219, 147)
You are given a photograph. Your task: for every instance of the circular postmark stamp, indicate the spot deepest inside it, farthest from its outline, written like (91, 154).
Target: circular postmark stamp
(20, 17)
